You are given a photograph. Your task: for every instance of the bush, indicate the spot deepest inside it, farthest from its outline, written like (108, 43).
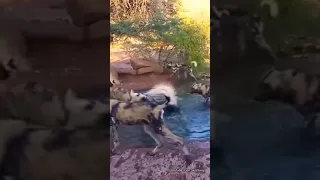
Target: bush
(163, 38)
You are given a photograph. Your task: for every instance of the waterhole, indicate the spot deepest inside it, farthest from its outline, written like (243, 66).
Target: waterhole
(192, 122)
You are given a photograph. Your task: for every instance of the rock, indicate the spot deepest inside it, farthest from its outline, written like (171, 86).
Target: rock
(123, 67)
(139, 63)
(149, 70)
(85, 12)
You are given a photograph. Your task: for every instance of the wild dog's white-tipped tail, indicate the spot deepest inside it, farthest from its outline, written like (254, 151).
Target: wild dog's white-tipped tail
(273, 7)
(166, 90)
(194, 63)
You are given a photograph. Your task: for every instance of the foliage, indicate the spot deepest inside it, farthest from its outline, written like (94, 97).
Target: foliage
(163, 38)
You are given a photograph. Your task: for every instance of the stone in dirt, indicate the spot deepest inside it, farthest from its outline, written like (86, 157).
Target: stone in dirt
(123, 67)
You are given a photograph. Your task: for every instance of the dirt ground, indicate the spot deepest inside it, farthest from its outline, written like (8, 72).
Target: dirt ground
(168, 164)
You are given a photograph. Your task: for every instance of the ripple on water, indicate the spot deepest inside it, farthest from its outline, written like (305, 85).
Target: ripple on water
(192, 122)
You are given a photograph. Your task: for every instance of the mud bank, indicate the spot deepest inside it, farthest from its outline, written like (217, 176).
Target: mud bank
(168, 164)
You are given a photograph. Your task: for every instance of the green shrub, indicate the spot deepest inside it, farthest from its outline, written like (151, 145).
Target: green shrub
(163, 38)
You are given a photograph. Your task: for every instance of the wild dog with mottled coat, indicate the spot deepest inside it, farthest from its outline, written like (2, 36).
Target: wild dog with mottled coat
(122, 94)
(202, 89)
(231, 21)
(291, 86)
(150, 116)
(27, 151)
(159, 93)
(39, 105)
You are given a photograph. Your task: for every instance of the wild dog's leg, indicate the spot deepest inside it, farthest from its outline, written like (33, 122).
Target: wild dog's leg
(149, 130)
(178, 140)
(115, 138)
(114, 134)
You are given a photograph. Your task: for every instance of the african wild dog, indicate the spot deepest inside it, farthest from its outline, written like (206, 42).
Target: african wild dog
(182, 70)
(160, 92)
(149, 115)
(27, 151)
(238, 30)
(202, 89)
(37, 104)
(122, 94)
(291, 86)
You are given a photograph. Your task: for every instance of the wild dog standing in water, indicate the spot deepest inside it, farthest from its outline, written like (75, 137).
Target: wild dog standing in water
(159, 93)
(290, 86)
(202, 89)
(150, 116)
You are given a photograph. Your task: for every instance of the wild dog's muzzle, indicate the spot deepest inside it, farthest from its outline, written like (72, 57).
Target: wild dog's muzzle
(145, 99)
